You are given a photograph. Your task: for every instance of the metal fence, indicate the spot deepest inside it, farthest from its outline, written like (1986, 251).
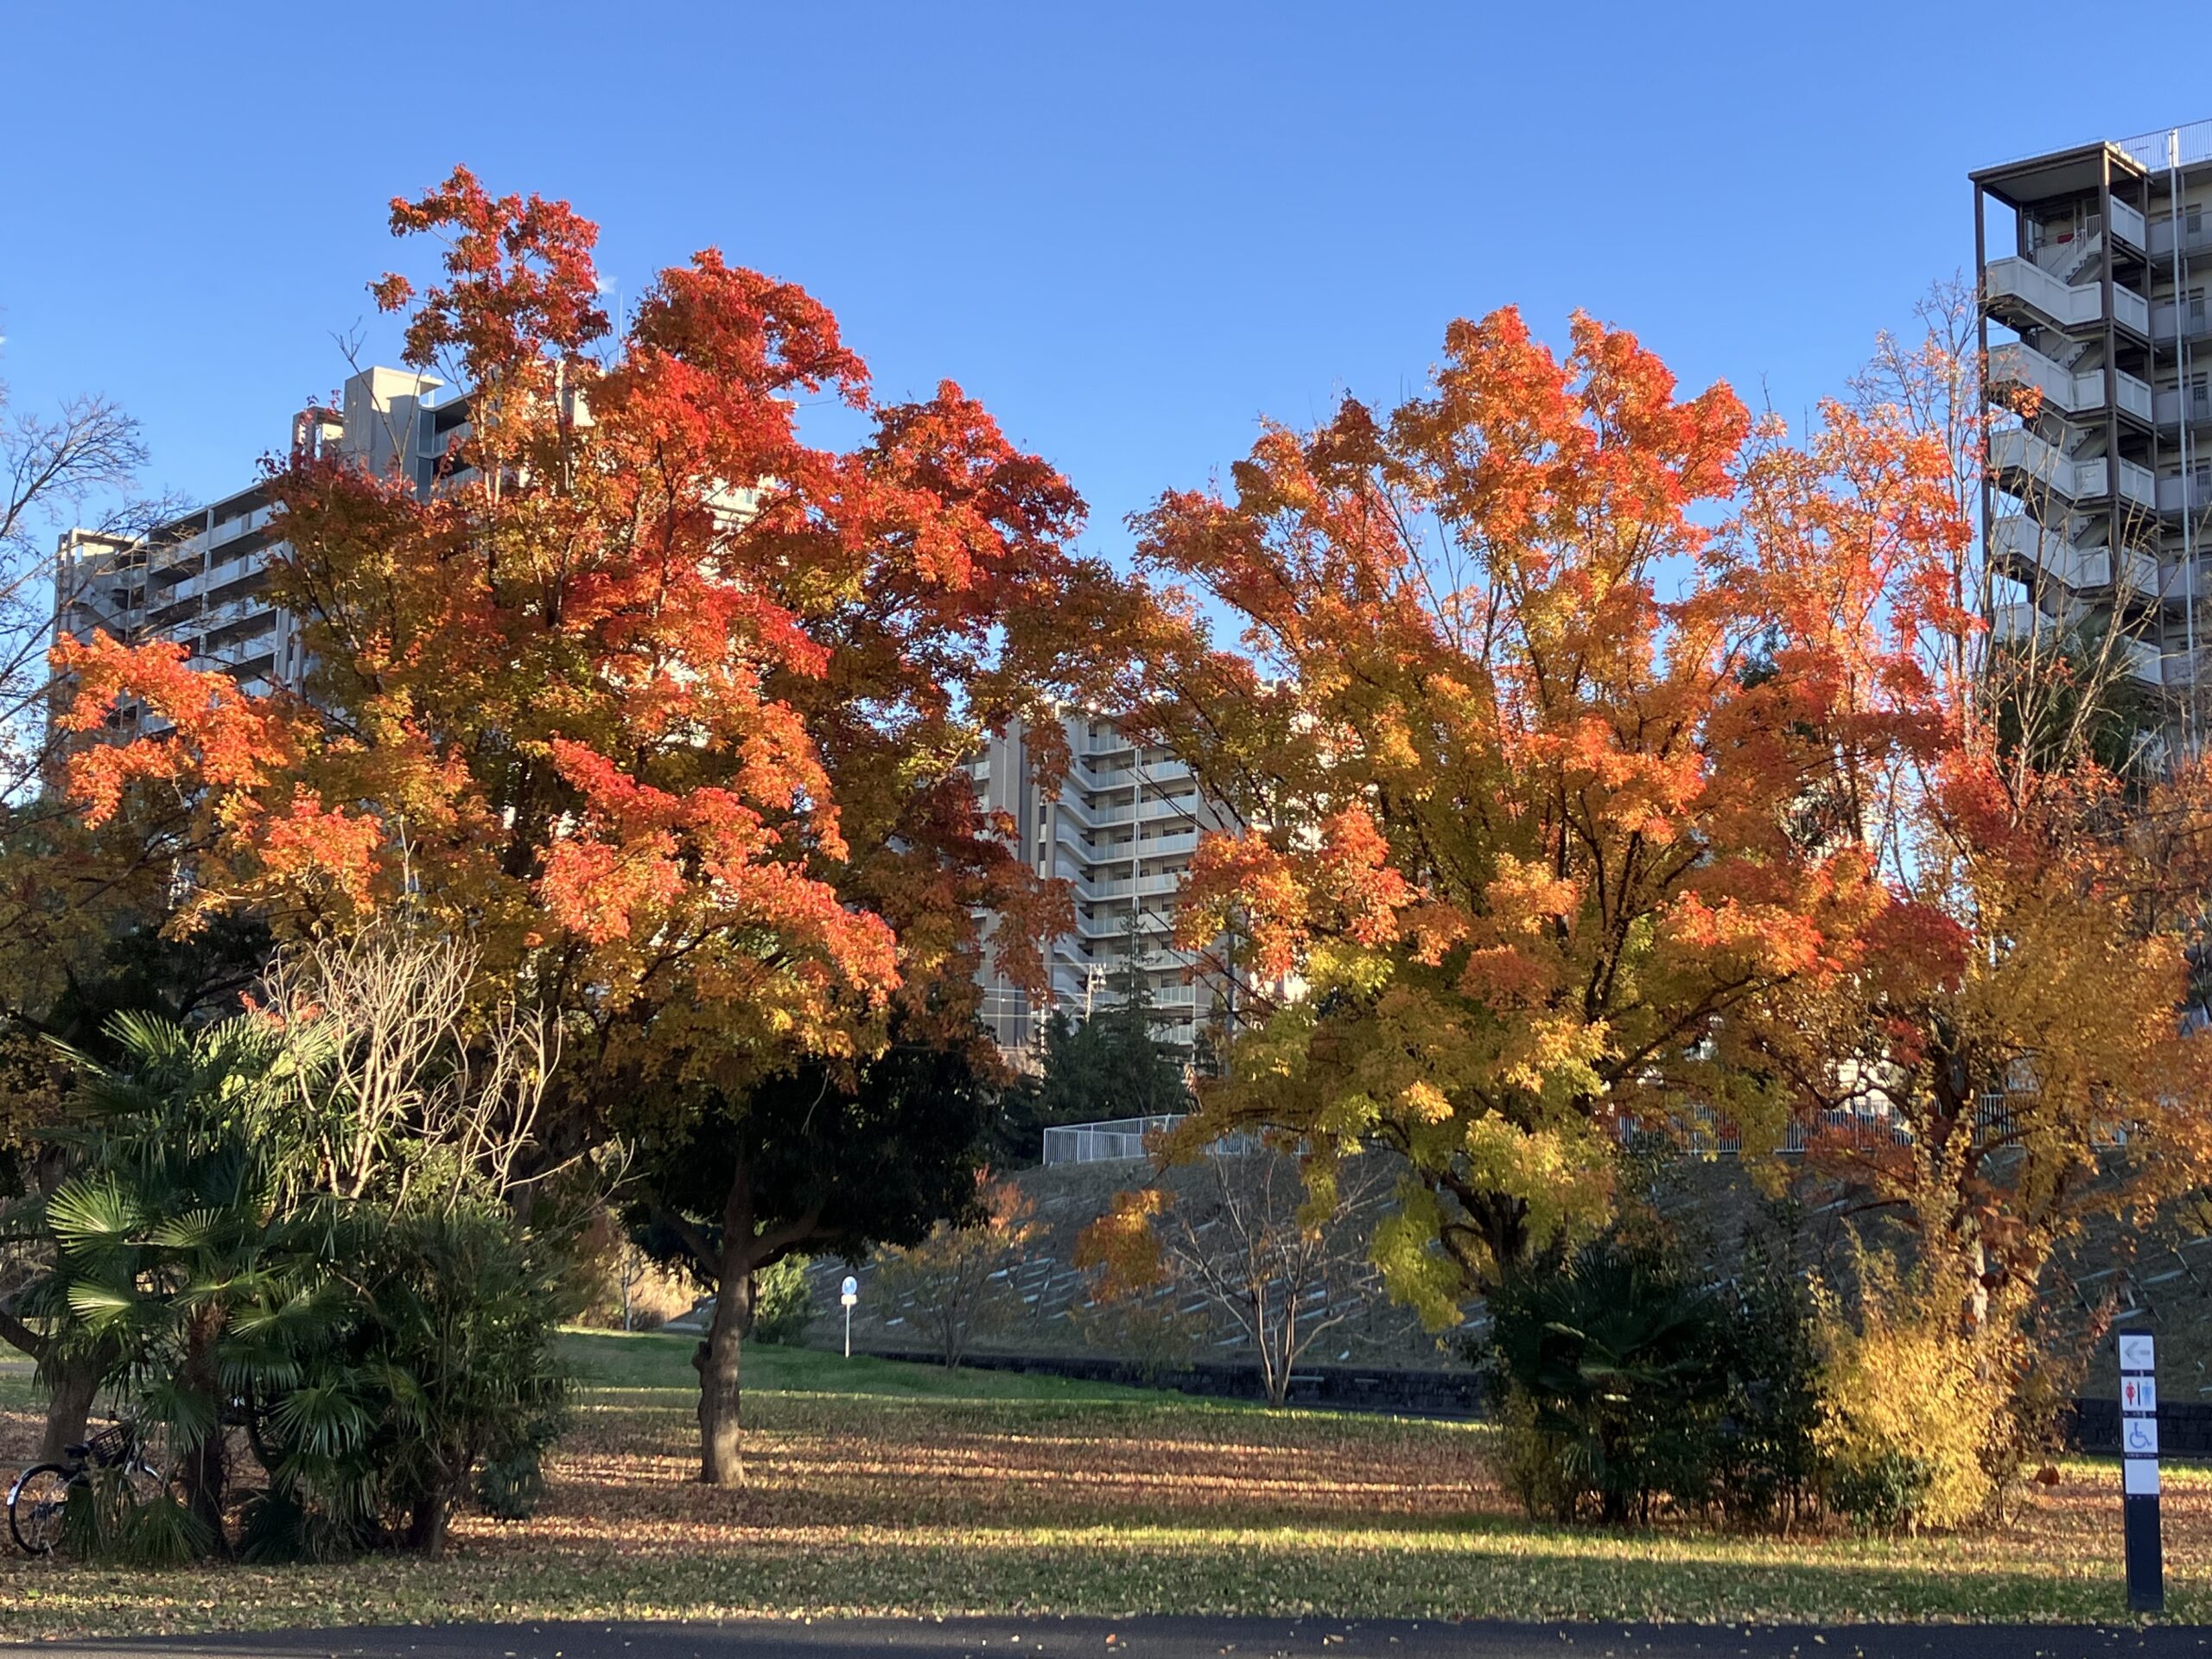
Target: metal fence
(1110, 1142)
(2150, 147)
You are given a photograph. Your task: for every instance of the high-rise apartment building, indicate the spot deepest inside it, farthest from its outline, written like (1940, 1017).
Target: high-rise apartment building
(202, 579)
(2092, 265)
(1120, 831)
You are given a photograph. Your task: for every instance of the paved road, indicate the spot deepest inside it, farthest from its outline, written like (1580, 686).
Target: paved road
(1175, 1638)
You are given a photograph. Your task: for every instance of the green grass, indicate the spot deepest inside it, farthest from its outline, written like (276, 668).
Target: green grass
(635, 1361)
(875, 1487)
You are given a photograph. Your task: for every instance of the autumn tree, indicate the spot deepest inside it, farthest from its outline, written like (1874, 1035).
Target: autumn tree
(823, 1159)
(2020, 1049)
(1553, 770)
(954, 1285)
(663, 705)
(1249, 1238)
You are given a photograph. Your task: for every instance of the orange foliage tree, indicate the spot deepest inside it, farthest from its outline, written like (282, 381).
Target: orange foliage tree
(661, 704)
(1560, 765)
(2023, 1042)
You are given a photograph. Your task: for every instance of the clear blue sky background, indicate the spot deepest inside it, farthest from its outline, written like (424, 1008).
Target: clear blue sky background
(1131, 228)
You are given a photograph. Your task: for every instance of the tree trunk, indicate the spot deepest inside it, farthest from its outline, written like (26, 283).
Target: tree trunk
(427, 1523)
(720, 1458)
(721, 1461)
(73, 1382)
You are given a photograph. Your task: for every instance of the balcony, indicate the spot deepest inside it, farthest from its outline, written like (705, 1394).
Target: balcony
(2019, 541)
(2186, 493)
(2145, 663)
(2032, 469)
(2021, 293)
(2171, 403)
(2195, 233)
(2195, 320)
(2016, 368)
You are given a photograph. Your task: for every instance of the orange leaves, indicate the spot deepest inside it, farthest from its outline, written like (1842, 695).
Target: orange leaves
(1122, 1247)
(221, 738)
(308, 844)
(1560, 786)
(1357, 879)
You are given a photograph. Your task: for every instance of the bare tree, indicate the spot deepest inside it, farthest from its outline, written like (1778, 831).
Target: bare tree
(79, 466)
(1283, 1260)
(2046, 678)
(392, 1043)
(955, 1286)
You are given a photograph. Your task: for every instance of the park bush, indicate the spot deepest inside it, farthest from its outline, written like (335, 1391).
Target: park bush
(1605, 1361)
(377, 1349)
(1625, 1386)
(783, 1302)
(1914, 1408)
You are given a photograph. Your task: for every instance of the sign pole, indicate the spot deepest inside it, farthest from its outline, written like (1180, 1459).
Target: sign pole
(849, 1293)
(2139, 1463)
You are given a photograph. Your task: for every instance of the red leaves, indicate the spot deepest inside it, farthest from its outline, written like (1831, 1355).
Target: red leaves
(666, 705)
(520, 282)
(218, 736)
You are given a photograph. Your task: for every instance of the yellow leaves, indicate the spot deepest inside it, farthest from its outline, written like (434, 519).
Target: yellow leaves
(1425, 1102)
(1121, 1250)
(1526, 897)
(1412, 1262)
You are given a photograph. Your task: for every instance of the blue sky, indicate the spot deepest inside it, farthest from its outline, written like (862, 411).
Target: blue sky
(1131, 229)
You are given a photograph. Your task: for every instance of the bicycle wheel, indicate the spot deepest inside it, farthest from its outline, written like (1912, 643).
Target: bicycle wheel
(34, 1505)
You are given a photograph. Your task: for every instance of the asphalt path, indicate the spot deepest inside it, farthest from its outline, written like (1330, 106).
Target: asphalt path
(1173, 1638)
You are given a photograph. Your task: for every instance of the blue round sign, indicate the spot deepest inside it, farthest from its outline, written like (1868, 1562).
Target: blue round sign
(852, 1286)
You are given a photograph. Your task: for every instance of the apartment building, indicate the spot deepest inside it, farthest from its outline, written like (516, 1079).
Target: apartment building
(202, 579)
(1120, 829)
(2092, 265)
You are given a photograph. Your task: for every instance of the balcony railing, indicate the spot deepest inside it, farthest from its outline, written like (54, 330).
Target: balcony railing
(2021, 539)
(2017, 283)
(2014, 366)
(2030, 468)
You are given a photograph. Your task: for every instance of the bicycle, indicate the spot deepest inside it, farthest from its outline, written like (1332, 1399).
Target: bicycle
(37, 1500)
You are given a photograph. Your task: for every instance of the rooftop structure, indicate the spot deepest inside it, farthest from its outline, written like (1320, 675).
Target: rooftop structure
(202, 579)
(2092, 276)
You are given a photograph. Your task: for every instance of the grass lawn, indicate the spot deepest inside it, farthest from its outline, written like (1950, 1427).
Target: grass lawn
(884, 1488)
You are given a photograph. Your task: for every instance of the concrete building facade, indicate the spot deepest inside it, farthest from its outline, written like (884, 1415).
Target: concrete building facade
(2092, 266)
(1120, 831)
(202, 579)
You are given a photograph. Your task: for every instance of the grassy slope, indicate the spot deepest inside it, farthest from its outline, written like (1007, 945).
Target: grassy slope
(883, 1488)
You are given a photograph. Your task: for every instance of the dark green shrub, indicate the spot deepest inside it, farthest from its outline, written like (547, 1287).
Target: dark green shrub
(1881, 1493)
(112, 1517)
(1607, 1365)
(783, 1306)
(1763, 1460)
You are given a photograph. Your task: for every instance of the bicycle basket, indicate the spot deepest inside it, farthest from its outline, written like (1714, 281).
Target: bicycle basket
(111, 1446)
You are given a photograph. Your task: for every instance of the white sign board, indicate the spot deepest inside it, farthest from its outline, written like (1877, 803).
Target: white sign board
(2135, 1353)
(2139, 1436)
(2138, 1393)
(2142, 1477)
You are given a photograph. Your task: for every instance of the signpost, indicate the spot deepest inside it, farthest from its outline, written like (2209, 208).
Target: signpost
(850, 1294)
(2138, 1463)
